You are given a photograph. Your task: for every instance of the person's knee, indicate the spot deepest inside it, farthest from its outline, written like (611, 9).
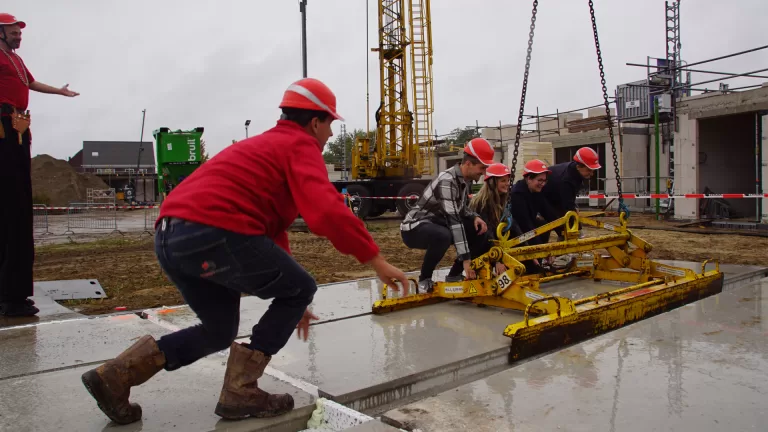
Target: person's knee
(442, 239)
(307, 287)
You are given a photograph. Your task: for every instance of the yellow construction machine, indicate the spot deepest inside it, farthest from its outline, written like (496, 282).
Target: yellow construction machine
(617, 256)
(398, 160)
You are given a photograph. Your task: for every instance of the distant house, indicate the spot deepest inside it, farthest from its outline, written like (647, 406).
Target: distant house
(116, 163)
(115, 158)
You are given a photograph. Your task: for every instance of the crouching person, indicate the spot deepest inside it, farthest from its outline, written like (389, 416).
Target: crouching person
(491, 200)
(442, 217)
(221, 233)
(527, 202)
(566, 180)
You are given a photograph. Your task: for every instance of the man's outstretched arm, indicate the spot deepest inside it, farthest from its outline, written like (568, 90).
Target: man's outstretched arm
(45, 88)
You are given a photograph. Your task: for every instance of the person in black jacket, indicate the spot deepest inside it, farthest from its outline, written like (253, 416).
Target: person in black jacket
(566, 180)
(527, 202)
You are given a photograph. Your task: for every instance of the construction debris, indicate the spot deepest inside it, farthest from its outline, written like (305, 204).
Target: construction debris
(56, 183)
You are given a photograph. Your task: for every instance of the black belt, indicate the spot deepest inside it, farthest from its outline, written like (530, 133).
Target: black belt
(8, 109)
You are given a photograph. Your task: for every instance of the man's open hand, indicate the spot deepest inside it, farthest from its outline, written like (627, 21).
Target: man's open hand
(304, 324)
(480, 226)
(65, 91)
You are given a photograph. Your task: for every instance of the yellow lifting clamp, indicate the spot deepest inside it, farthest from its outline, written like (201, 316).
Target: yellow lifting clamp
(618, 256)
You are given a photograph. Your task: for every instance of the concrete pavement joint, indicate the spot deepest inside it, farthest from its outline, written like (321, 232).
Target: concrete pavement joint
(75, 366)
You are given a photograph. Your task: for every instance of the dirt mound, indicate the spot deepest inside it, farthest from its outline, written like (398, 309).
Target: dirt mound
(56, 183)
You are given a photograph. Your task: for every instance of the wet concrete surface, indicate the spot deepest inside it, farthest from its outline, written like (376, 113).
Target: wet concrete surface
(699, 367)
(34, 349)
(368, 361)
(49, 311)
(332, 302)
(182, 400)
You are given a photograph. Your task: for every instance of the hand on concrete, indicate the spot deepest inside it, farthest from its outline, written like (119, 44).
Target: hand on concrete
(304, 324)
(480, 226)
(389, 274)
(468, 271)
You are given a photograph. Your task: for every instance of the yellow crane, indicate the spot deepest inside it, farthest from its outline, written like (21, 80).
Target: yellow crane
(395, 161)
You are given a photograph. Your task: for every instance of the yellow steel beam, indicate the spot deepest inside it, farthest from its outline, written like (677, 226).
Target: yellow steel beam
(592, 316)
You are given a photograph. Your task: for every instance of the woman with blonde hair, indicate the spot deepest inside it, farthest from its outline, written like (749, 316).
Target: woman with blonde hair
(489, 202)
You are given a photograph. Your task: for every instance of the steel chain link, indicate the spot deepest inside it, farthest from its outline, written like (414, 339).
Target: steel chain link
(507, 211)
(622, 206)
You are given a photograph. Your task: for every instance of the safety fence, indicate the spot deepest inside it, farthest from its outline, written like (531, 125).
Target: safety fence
(82, 218)
(91, 217)
(40, 219)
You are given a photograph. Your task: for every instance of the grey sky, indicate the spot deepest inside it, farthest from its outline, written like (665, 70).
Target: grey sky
(215, 65)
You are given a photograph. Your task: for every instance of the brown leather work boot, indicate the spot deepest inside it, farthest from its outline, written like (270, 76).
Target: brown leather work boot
(110, 384)
(241, 396)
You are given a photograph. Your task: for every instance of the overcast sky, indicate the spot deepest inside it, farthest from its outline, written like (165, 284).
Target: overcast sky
(215, 65)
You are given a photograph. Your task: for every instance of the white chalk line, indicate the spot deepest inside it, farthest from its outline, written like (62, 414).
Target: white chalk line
(269, 370)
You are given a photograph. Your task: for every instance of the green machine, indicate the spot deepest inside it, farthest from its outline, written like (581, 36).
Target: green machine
(178, 156)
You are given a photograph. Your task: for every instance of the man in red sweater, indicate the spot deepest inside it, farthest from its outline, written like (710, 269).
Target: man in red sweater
(17, 240)
(221, 233)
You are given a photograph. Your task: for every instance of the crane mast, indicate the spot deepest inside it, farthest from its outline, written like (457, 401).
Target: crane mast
(402, 143)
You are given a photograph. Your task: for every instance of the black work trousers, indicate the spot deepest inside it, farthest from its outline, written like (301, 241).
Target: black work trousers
(211, 268)
(17, 242)
(437, 239)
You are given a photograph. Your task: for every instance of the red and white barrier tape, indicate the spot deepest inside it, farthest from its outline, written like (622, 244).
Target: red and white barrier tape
(595, 196)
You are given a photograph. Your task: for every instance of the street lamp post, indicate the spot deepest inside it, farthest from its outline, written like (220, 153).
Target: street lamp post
(303, 10)
(247, 123)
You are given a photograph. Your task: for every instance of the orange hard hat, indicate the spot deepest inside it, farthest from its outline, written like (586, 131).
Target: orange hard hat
(588, 157)
(310, 94)
(536, 166)
(8, 19)
(480, 149)
(497, 170)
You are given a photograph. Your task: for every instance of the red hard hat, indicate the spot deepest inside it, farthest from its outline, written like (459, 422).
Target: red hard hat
(536, 166)
(480, 149)
(310, 94)
(8, 19)
(497, 170)
(588, 157)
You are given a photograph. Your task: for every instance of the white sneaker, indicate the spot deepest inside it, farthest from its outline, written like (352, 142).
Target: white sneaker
(425, 286)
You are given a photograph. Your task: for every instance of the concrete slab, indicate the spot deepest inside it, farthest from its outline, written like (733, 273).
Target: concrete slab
(71, 289)
(49, 311)
(332, 302)
(38, 348)
(181, 400)
(670, 372)
(369, 361)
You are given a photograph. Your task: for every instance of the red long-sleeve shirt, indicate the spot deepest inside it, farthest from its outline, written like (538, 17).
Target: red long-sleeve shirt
(13, 90)
(259, 186)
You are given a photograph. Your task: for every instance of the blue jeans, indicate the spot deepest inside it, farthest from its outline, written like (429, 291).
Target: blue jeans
(211, 268)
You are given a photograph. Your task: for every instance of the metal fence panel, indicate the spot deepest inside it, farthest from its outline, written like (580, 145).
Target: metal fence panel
(150, 216)
(40, 219)
(90, 216)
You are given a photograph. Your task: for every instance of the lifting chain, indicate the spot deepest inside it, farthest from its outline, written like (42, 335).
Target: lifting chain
(622, 206)
(508, 210)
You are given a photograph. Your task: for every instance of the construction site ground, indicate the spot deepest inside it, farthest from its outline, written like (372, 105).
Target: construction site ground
(442, 367)
(126, 267)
